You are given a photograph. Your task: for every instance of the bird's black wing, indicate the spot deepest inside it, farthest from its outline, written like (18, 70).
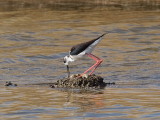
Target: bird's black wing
(75, 50)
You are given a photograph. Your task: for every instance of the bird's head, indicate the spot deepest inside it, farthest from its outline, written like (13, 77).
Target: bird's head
(67, 59)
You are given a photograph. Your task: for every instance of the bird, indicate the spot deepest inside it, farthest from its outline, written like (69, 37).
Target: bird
(84, 49)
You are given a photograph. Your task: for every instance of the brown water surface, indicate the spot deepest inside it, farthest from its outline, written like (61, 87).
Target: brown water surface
(110, 104)
(34, 41)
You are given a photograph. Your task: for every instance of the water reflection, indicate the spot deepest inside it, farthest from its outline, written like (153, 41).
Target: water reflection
(48, 103)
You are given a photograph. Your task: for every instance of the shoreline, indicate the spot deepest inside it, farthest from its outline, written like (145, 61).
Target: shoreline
(12, 5)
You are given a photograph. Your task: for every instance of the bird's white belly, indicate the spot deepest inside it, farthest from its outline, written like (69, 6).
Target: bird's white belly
(75, 57)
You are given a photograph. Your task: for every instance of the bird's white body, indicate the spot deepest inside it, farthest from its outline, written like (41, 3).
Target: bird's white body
(82, 49)
(88, 50)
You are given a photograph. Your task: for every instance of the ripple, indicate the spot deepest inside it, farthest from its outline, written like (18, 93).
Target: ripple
(19, 37)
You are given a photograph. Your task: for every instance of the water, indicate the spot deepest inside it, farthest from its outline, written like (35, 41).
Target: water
(111, 104)
(34, 41)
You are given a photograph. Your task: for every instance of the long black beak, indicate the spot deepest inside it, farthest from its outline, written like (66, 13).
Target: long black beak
(68, 71)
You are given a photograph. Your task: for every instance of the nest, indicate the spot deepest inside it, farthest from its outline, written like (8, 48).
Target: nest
(85, 81)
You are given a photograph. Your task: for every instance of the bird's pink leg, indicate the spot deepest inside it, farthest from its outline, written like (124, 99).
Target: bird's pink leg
(90, 68)
(98, 62)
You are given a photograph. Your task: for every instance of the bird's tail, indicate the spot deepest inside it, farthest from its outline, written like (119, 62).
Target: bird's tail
(104, 34)
(100, 37)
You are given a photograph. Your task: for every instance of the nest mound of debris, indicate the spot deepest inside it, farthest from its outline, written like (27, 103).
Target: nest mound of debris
(77, 81)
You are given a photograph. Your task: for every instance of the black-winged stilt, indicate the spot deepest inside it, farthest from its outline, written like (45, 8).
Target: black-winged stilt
(81, 50)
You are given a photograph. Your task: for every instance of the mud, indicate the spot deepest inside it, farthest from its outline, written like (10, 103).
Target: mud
(75, 81)
(85, 82)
